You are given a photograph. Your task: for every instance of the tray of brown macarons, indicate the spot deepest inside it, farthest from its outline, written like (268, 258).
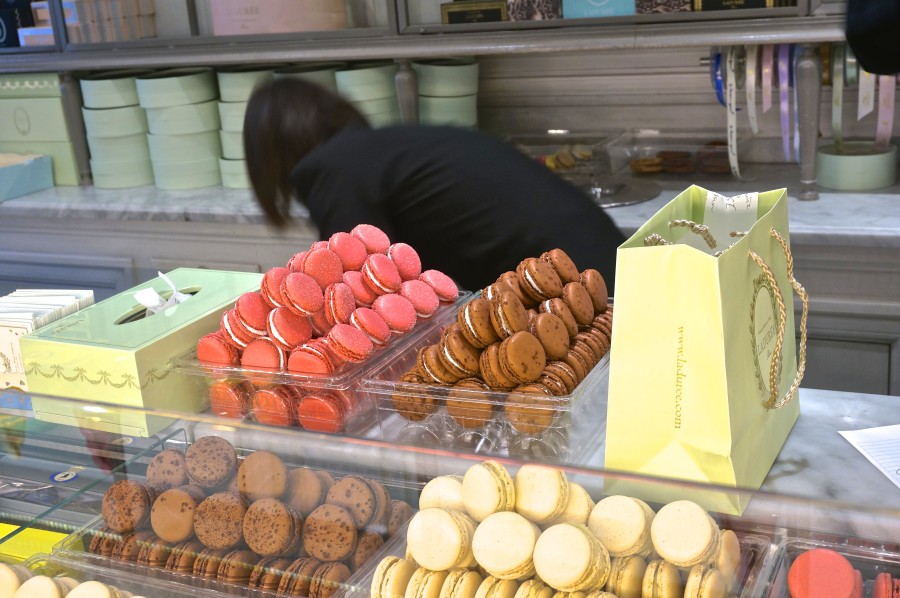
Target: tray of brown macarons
(574, 156)
(214, 521)
(522, 371)
(677, 153)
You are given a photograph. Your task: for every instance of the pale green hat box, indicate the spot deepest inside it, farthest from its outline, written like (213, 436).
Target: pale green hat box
(109, 354)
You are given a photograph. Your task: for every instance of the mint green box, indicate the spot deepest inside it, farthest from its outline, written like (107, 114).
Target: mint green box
(109, 354)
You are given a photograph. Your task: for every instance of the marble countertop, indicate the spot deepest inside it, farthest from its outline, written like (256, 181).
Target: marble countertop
(868, 219)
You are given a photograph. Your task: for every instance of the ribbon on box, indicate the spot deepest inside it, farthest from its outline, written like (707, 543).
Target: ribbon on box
(887, 89)
(784, 86)
(866, 103)
(768, 60)
(750, 87)
(715, 74)
(155, 303)
(731, 82)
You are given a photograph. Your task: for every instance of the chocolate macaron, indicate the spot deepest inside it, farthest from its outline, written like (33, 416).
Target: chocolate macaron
(562, 263)
(330, 533)
(262, 475)
(298, 577)
(538, 279)
(328, 579)
(172, 515)
(458, 355)
(167, 470)
(218, 520)
(210, 461)
(125, 505)
(522, 357)
(272, 527)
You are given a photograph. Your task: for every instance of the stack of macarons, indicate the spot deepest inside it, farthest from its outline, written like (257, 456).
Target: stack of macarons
(489, 533)
(251, 521)
(340, 302)
(17, 581)
(536, 332)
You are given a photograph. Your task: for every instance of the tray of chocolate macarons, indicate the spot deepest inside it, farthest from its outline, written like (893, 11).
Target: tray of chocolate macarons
(522, 370)
(292, 352)
(535, 532)
(210, 518)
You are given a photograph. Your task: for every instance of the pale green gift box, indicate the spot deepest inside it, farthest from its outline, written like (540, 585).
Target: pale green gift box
(109, 354)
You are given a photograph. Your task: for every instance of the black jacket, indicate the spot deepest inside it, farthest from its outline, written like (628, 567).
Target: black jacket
(472, 205)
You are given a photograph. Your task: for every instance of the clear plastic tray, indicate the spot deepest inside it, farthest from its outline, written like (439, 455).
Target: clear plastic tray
(867, 557)
(360, 415)
(680, 153)
(585, 169)
(572, 436)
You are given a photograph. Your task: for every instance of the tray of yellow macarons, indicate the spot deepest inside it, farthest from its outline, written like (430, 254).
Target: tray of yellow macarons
(497, 533)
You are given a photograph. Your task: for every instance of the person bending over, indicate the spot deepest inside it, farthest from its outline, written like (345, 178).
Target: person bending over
(473, 206)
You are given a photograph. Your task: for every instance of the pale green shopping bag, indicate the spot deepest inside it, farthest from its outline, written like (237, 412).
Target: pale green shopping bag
(704, 377)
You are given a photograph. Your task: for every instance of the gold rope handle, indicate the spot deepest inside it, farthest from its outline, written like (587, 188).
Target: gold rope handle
(697, 229)
(774, 401)
(655, 239)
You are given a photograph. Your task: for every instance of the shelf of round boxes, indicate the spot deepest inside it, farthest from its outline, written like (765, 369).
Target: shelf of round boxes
(521, 371)
(293, 352)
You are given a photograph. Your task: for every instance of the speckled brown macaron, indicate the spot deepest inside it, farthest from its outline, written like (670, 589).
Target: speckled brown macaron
(236, 566)
(579, 302)
(125, 506)
(367, 545)
(532, 411)
(298, 577)
(355, 495)
(474, 319)
(522, 357)
(458, 355)
(577, 361)
(558, 308)
(104, 541)
(129, 546)
(172, 515)
(167, 470)
(154, 552)
(469, 404)
(491, 372)
(382, 507)
(328, 579)
(210, 461)
(183, 556)
(551, 332)
(508, 315)
(564, 372)
(326, 477)
(414, 405)
(207, 563)
(305, 491)
(330, 533)
(593, 341)
(268, 572)
(262, 475)
(400, 513)
(272, 527)
(594, 284)
(538, 279)
(512, 280)
(219, 519)
(432, 367)
(585, 350)
(562, 263)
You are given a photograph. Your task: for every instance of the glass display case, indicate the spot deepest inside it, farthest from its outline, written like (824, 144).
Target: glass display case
(280, 507)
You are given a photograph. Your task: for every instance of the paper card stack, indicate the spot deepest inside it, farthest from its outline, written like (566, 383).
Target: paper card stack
(23, 312)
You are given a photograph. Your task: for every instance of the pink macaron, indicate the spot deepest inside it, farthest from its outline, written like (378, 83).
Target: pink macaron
(263, 354)
(442, 284)
(397, 311)
(375, 239)
(213, 348)
(233, 331)
(287, 329)
(339, 303)
(270, 286)
(302, 294)
(368, 321)
(361, 292)
(422, 296)
(318, 245)
(349, 343)
(349, 249)
(311, 358)
(252, 311)
(320, 323)
(406, 259)
(295, 264)
(324, 266)
(381, 275)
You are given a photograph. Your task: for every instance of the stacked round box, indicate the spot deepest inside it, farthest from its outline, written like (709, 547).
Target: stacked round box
(183, 125)
(370, 88)
(235, 87)
(448, 92)
(116, 130)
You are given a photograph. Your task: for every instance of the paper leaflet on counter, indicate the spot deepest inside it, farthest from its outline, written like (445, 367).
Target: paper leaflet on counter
(155, 303)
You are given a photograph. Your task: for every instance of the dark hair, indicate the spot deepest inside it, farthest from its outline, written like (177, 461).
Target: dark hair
(285, 120)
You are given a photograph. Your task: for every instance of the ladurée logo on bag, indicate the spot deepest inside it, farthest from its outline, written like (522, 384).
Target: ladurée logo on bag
(763, 332)
(680, 362)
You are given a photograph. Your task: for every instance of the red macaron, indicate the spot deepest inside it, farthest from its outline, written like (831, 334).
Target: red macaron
(252, 311)
(349, 249)
(821, 573)
(443, 285)
(339, 303)
(270, 286)
(375, 239)
(381, 275)
(228, 398)
(406, 259)
(213, 348)
(287, 329)
(312, 359)
(318, 245)
(324, 266)
(397, 311)
(320, 323)
(368, 321)
(274, 406)
(349, 343)
(263, 354)
(321, 412)
(302, 294)
(361, 291)
(295, 264)
(422, 296)
(233, 331)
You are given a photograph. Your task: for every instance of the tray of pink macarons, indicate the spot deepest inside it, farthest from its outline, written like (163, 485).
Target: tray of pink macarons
(293, 352)
(521, 370)
(535, 532)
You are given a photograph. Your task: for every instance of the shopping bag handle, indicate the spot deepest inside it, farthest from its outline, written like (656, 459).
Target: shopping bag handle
(698, 229)
(774, 401)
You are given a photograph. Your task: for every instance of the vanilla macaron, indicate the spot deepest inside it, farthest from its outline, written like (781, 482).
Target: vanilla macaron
(461, 583)
(534, 588)
(662, 580)
(541, 493)
(440, 540)
(392, 577)
(488, 488)
(504, 545)
(578, 507)
(684, 534)
(443, 492)
(42, 586)
(705, 581)
(425, 583)
(94, 589)
(623, 524)
(492, 587)
(626, 576)
(11, 577)
(729, 555)
(569, 558)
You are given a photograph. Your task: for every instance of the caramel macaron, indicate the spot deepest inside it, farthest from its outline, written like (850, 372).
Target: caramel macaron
(268, 573)
(328, 579)
(562, 263)
(469, 404)
(355, 495)
(432, 366)
(219, 519)
(508, 315)
(367, 545)
(558, 308)
(458, 355)
(522, 357)
(400, 513)
(236, 566)
(167, 470)
(271, 527)
(514, 283)
(154, 552)
(579, 303)
(538, 279)
(413, 404)
(210, 461)
(305, 490)
(172, 515)
(474, 319)
(552, 333)
(262, 475)
(298, 577)
(206, 565)
(125, 506)
(491, 372)
(129, 546)
(330, 533)
(183, 556)
(595, 285)
(532, 410)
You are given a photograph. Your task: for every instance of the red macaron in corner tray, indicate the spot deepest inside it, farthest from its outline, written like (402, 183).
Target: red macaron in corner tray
(339, 302)
(824, 573)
